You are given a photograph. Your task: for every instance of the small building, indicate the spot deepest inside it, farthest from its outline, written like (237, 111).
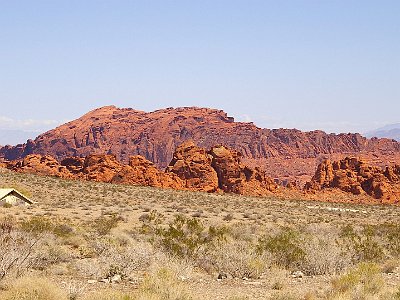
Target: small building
(13, 197)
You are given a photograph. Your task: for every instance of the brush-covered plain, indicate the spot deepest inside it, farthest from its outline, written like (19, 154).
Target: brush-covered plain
(88, 240)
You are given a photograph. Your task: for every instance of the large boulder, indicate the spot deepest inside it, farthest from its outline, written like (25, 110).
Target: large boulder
(235, 177)
(192, 164)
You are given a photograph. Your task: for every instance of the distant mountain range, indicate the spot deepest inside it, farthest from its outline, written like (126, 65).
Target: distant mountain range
(391, 131)
(14, 137)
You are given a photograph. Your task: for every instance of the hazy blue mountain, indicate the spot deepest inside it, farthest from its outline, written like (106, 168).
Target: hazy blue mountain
(14, 137)
(391, 131)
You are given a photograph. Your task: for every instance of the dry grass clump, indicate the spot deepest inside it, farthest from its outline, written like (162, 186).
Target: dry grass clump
(240, 259)
(19, 250)
(33, 288)
(108, 257)
(180, 268)
(163, 285)
(323, 256)
(359, 283)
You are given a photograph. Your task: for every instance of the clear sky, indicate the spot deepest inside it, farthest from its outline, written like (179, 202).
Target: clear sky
(331, 65)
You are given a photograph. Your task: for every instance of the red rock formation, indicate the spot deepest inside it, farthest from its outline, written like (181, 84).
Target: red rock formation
(192, 168)
(74, 164)
(288, 154)
(143, 172)
(235, 177)
(357, 177)
(193, 165)
(44, 165)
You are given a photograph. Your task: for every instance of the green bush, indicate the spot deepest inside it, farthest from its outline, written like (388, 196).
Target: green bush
(103, 225)
(363, 243)
(183, 237)
(37, 224)
(284, 247)
(40, 224)
(391, 234)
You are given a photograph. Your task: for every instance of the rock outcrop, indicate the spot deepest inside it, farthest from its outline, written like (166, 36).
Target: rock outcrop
(235, 177)
(192, 168)
(140, 171)
(287, 154)
(37, 164)
(359, 178)
(100, 167)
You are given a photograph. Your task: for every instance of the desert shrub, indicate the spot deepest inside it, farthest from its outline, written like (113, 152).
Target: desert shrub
(163, 285)
(37, 225)
(103, 225)
(323, 256)
(181, 268)
(62, 230)
(365, 279)
(183, 237)
(113, 260)
(19, 250)
(41, 225)
(239, 259)
(391, 235)
(51, 252)
(27, 288)
(363, 244)
(277, 277)
(284, 247)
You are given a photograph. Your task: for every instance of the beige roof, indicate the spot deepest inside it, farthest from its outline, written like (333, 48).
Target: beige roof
(6, 192)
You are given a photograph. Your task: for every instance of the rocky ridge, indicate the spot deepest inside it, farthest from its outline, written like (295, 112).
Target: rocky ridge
(286, 154)
(192, 168)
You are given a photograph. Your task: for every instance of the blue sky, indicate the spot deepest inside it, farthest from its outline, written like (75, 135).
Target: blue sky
(331, 65)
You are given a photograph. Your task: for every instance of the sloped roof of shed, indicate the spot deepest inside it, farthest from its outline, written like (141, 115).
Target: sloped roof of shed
(6, 192)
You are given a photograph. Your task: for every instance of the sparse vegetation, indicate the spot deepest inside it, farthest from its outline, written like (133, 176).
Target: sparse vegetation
(129, 243)
(284, 247)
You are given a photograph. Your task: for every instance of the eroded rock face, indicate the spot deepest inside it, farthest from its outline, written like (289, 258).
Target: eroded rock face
(44, 165)
(192, 168)
(287, 154)
(235, 177)
(192, 164)
(357, 177)
(99, 167)
(140, 171)
(74, 164)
